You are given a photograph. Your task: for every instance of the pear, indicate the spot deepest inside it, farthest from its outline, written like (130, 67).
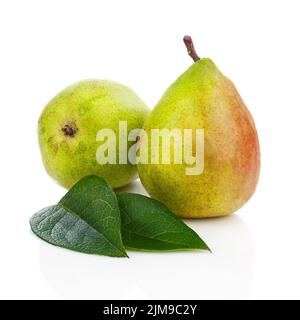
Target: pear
(203, 98)
(68, 127)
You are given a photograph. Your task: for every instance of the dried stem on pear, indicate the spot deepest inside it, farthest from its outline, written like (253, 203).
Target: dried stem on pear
(190, 48)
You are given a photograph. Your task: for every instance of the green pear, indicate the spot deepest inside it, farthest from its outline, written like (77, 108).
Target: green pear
(68, 127)
(203, 98)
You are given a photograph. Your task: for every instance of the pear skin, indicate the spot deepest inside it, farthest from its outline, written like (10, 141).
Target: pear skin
(69, 124)
(203, 98)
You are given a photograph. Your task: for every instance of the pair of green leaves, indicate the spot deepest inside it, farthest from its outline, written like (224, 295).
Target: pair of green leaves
(91, 218)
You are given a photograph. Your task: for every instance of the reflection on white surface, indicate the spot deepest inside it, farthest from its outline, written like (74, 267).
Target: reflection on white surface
(225, 273)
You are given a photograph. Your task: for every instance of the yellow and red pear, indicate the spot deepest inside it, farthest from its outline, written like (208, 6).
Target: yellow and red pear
(203, 98)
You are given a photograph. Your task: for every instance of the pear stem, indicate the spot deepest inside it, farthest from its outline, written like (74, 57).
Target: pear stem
(190, 48)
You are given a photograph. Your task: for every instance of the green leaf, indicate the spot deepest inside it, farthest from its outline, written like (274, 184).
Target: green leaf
(147, 224)
(87, 219)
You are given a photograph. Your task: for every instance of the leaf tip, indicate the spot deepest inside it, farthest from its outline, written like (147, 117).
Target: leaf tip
(204, 246)
(125, 255)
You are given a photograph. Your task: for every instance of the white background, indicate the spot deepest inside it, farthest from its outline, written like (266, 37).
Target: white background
(47, 45)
